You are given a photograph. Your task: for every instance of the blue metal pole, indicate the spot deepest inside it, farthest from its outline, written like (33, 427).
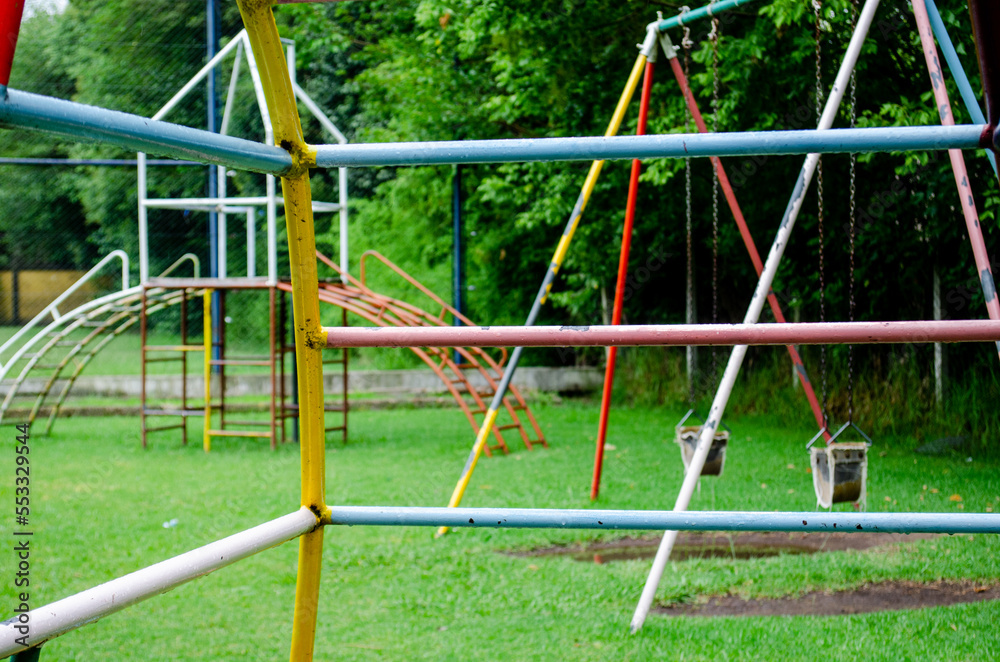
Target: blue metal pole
(212, 46)
(129, 163)
(707, 11)
(523, 518)
(139, 134)
(879, 139)
(957, 72)
(22, 110)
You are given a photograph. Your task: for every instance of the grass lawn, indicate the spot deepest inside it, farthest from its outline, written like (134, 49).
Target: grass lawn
(100, 501)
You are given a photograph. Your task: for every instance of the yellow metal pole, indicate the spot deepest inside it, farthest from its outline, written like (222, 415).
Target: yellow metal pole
(543, 293)
(309, 339)
(206, 440)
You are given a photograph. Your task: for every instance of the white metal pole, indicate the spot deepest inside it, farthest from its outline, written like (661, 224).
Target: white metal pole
(227, 113)
(290, 58)
(753, 314)
(251, 243)
(272, 195)
(222, 246)
(70, 613)
(167, 107)
(344, 253)
(143, 221)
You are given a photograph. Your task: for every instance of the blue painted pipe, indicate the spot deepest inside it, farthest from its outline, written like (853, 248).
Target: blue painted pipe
(879, 139)
(957, 72)
(702, 12)
(524, 518)
(79, 122)
(27, 161)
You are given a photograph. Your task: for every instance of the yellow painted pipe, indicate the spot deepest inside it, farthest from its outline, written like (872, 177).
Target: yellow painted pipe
(307, 594)
(309, 339)
(557, 259)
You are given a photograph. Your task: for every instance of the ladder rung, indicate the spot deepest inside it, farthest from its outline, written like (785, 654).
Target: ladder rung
(164, 427)
(237, 433)
(173, 412)
(510, 426)
(238, 362)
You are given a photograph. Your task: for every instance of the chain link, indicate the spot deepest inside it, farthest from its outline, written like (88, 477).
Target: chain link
(817, 10)
(689, 293)
(714, 36)
(852, 108)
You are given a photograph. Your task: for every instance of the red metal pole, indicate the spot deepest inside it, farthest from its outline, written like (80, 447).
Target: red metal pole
(10, 25)
(985, 16)
(616, 315)
(734, 207)
(812, 333)
(966, 200)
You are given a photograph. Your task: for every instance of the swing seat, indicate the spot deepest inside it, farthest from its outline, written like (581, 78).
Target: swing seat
(840, 473)
(687, 438)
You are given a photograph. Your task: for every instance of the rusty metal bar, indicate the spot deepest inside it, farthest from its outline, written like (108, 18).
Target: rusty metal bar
(813, 333)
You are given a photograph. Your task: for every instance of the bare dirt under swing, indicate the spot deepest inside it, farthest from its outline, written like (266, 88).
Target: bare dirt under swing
(882, 596)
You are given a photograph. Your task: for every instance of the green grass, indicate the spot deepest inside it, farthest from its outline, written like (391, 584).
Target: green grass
(99, 502)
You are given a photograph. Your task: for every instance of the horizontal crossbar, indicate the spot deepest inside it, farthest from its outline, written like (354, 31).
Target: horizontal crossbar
(680, 145)
(81, 122)
(663, 520)
(829, 333)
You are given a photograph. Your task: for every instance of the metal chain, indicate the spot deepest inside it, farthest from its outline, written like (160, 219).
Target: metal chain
(687, 43)
(852, 108)
(713, 36)
(817, 10)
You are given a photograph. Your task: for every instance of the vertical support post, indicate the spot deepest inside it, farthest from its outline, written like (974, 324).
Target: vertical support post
(216, 244)
(721, 399)
(184, 365)
(143, 220)
(143, 330)
(272, 231)
(272, 337)
(206, 307)
(457, 256)
(344, 239)
(251, 243)
(309, 341)
(10, 26)
(966, 201)
(616, 311)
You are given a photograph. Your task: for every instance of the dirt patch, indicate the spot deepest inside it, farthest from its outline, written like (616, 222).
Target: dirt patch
(885, 596)
(746, 545)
